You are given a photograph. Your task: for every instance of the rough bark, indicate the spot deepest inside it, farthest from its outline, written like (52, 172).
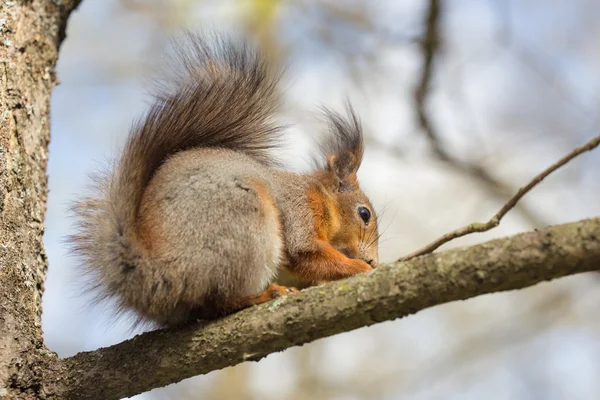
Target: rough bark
(30, 34)
(395, 290)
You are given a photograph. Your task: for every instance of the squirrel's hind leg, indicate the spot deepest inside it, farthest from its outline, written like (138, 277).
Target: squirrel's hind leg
(272, 292)
(213, 311)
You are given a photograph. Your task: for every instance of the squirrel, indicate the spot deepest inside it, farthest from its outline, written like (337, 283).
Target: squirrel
(196, 220)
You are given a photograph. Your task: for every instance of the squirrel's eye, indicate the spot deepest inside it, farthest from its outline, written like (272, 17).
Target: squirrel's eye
(365, 214)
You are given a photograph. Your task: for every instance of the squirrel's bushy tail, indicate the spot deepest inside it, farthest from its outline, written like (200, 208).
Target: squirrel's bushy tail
(224, 96)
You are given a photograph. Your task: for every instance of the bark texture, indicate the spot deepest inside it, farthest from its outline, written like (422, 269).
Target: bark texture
(30, 34)
(394, 290)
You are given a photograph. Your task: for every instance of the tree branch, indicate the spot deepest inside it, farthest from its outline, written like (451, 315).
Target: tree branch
(394, 290)
(30, 33)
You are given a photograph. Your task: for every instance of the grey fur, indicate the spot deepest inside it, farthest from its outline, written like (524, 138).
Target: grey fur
(183, 223)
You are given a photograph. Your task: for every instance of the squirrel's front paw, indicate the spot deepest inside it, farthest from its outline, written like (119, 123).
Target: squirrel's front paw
(274, 290)
(359, 266)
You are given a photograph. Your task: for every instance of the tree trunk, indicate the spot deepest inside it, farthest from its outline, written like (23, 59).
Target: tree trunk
(30, 35)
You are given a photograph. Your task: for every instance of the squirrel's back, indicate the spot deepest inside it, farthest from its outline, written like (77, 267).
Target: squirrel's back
(224, 99)
(211, 232)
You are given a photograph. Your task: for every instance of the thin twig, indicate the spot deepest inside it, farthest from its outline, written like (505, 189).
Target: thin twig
(495, 221)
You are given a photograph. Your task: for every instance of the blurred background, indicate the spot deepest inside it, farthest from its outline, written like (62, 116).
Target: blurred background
(462, 103)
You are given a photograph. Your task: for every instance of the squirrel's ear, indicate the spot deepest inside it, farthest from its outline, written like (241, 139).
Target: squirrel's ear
(344, 167)
(344, 150)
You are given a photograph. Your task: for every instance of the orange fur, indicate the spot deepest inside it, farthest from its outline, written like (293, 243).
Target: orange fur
(325, 213)
(149, 231)
(268, 203)
(336, 231)
(327, 264)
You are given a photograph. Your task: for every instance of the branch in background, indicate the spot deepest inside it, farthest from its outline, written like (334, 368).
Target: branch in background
(391, 291)
(430, 45)
(495, 221)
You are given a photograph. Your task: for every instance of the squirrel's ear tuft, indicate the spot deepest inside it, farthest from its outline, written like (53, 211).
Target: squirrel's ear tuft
(344, 149)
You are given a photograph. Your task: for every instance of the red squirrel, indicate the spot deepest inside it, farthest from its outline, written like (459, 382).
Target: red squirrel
(196, 220)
